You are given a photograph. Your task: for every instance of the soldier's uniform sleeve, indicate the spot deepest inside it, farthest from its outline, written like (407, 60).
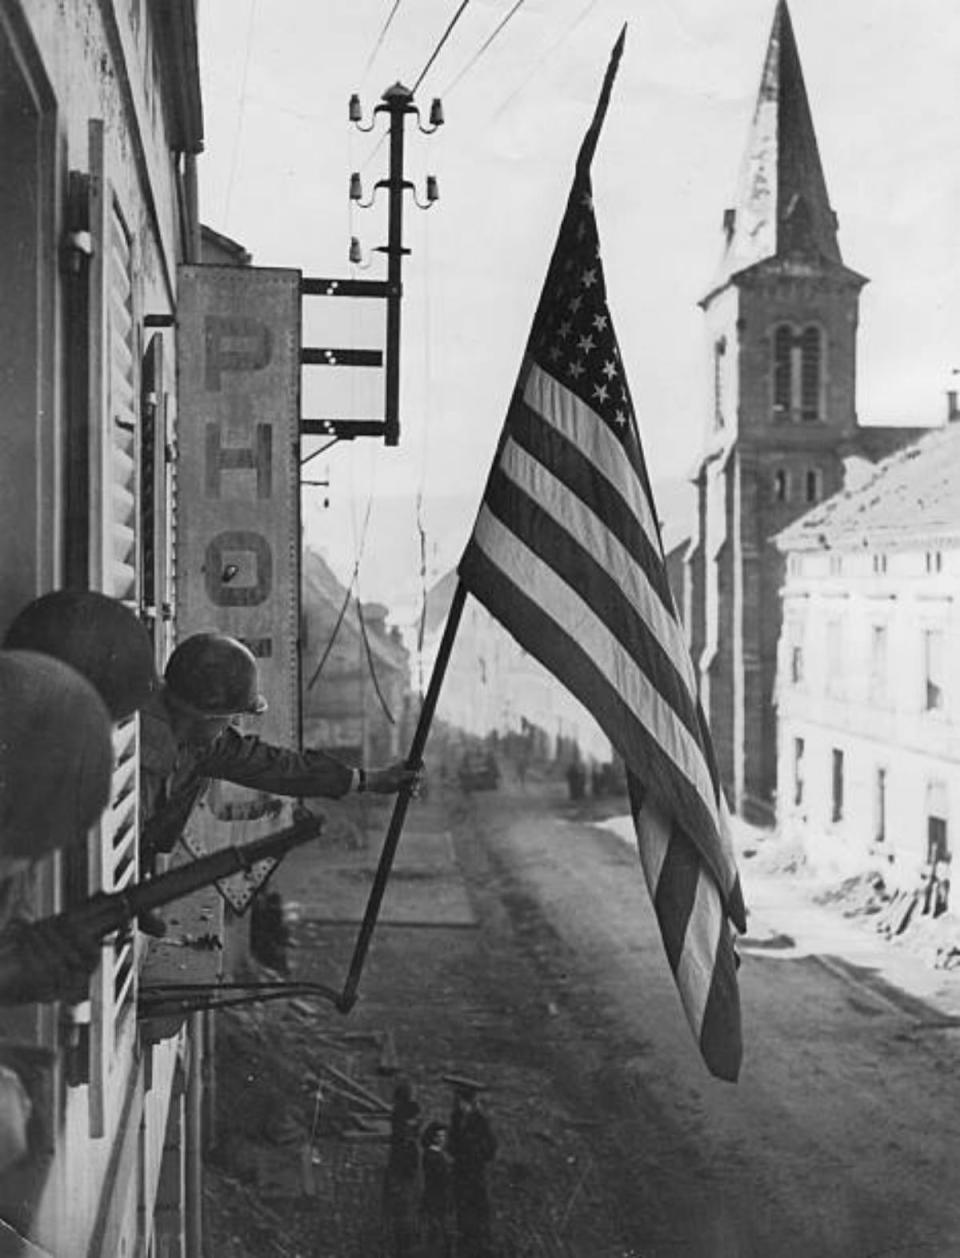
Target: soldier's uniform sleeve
(248, 761)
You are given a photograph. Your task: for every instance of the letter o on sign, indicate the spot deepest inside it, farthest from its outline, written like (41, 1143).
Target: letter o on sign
(249, 594)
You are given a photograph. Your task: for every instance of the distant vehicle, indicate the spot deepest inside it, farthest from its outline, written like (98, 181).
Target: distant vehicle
(478, 771)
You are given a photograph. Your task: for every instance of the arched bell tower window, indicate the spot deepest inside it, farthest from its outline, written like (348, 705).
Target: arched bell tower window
(797, 372)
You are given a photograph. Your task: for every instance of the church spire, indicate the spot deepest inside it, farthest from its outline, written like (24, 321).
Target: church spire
(782, 207)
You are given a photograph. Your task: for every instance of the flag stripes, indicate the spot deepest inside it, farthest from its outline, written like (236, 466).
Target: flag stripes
(695, 935)
(585, 477)
(614, 686)
(566, 553)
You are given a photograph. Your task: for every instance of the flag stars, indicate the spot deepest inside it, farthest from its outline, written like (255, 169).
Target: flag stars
(581, 230)
(585, 344)
(555, 353)
(600, 322)
(586, 200)
(575, 369)
(589, 277)
(574, 304)
(620, 418)
(609, 369)
(563, 331)
(601, 392)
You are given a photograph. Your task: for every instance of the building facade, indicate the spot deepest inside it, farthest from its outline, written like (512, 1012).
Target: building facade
(869, 667)
(100, 123)
(782, 316)
(356, 672)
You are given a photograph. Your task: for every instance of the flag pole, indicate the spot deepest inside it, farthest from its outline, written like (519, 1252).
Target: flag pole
(348, 996)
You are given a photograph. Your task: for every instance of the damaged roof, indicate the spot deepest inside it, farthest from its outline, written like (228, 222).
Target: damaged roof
(910, 498)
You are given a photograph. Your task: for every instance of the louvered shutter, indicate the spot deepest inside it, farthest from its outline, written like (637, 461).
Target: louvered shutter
(114, 354)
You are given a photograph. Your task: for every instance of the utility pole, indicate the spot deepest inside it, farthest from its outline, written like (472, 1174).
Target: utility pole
(398, 104)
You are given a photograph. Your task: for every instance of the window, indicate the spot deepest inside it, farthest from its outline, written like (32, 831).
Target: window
(938, 848)
(781, 485)
(813, 485)
(878, 664)
(719, 350)
(934, 561)
(836, 811)
(933, 670)
(810, 373)
(836, 565)
(797, 372)
(880, 805)
(798, 752)
(879, 564)
(796, 665)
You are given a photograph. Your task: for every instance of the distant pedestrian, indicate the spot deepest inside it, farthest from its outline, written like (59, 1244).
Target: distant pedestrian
(400, 1182)
(472, 1148)
(435, 1199)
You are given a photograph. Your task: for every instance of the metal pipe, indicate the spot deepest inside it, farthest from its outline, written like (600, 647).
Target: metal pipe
(194, 1141)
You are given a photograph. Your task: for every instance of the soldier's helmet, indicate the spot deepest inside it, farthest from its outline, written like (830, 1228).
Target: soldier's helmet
(216, 675)
(56, 755)
(96, 635)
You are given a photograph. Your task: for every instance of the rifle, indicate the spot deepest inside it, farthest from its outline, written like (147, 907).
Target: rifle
(25, 946)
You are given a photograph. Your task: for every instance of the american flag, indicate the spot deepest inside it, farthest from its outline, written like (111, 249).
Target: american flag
(566, 553)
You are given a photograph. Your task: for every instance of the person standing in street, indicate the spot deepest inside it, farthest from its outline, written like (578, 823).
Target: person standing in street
(400, 1180)
(435, 1233)
(473, 1147)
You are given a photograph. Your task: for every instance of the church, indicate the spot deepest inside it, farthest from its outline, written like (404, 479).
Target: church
(782, 431)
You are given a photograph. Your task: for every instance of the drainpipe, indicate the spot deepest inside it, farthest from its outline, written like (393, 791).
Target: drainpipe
(193, 207)
(194, 1142)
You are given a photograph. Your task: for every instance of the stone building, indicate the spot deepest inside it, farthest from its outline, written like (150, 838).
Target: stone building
(869, 667)
(100, 125)
(782, 319)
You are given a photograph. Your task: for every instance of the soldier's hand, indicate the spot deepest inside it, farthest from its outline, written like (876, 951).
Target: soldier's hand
(393, 778)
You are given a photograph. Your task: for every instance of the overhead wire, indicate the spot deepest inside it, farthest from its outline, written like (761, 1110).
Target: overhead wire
(484, 46)
(442, 40)
(235, 156)
(591, 4)
(380, 38)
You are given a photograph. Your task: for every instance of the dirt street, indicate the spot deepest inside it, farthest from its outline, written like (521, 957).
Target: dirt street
(528, 957)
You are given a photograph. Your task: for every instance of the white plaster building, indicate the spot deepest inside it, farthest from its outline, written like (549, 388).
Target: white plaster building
(869, 663)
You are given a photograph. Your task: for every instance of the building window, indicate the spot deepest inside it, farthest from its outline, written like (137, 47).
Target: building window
(836, 811)
(810, 373)
(933, 670)
(813, 485)
(878, 664)
(836, 565)
(797, 372)
(934, 561)
(879, 564)
(880, 805)
(781, 485)
(798, 751)
(938, 848)
(796, 665)
(719, 350)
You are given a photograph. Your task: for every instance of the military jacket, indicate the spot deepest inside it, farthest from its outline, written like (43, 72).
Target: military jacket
(175, 775)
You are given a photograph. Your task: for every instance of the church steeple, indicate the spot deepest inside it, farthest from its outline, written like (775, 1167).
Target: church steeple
(782, 208)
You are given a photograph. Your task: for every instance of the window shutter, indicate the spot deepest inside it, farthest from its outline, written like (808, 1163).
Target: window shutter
(114, 432)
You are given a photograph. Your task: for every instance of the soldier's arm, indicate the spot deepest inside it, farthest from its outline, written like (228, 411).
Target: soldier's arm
(249, 761)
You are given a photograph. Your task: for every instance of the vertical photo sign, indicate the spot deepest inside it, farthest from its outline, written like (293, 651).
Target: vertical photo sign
(238, 508)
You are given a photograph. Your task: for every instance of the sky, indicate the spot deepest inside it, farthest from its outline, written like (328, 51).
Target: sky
(276, 78)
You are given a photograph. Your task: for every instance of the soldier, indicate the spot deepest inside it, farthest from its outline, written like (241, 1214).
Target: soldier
(188, 739)
(472, 1147)
(400, 1176)
(56, 760)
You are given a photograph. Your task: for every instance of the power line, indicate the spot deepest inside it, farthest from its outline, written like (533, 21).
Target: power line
(443, 39)
(380, 38)
(546, 56)
(240, 111)
(484, 46)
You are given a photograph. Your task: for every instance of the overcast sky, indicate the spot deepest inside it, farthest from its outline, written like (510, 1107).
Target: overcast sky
(882, 76)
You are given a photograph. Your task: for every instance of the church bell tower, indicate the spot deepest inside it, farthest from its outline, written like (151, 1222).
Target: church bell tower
(781, 315)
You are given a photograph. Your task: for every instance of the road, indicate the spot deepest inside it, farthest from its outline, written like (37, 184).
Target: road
(842, 1134)
(517, 946)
